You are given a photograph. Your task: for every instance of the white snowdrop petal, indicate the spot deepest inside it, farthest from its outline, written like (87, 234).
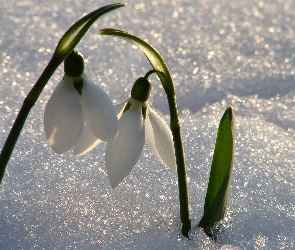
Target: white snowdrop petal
(123, 152)
(86, 142)
(98, 111)
(160, 140)
(63, 119)
(150, 139)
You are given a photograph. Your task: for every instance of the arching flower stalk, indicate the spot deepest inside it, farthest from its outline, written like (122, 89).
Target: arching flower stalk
(160, 66)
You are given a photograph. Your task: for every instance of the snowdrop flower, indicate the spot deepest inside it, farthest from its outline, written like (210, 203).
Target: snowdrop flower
(138, 124)
(78, 110)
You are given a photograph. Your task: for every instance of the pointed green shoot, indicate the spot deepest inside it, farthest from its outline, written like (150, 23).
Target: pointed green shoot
(158, 63)
(220, 176)
(67, 43)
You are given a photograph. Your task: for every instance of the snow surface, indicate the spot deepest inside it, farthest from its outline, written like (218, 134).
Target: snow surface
(220, 53)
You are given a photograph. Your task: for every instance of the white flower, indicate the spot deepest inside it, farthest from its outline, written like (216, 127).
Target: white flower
(123, 152)
(73, 119)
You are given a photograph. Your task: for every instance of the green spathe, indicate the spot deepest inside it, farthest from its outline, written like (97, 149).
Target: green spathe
(220, 176)
(75, 33)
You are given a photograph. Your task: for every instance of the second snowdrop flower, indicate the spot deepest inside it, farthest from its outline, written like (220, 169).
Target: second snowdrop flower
(138, 124)
(78, 109)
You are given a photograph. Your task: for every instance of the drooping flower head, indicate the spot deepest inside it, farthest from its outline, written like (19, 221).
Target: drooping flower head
(78, 111)
(138, 124)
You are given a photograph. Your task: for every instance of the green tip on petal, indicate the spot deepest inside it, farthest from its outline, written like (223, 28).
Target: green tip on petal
(78, 84)
(74, 64)
(141, 89)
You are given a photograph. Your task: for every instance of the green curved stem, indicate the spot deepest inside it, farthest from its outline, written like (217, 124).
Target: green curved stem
(66, 44)
(147, 75)
(163, 73)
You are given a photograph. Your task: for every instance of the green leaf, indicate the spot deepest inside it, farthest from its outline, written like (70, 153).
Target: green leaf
(220, 176)
(75, 33)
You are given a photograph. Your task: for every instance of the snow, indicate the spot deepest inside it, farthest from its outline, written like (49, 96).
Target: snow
(238, 53)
